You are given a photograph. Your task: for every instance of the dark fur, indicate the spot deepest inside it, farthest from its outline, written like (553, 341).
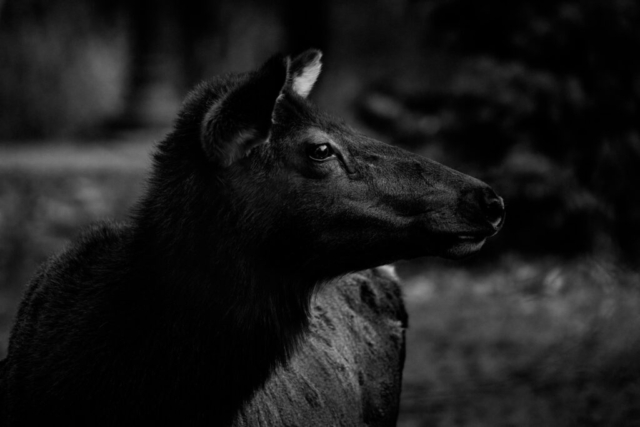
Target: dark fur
(201, 310)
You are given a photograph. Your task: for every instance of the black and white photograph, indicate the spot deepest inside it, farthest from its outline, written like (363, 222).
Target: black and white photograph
(237, 213)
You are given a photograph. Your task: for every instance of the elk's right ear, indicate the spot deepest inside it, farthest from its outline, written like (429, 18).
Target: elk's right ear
(242, 119)
(304, 71)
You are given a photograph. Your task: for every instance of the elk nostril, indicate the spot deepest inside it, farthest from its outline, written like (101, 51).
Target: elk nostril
(495, 211)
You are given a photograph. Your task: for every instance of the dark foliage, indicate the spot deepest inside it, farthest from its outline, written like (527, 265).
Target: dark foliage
(566, 81)
(555, 81)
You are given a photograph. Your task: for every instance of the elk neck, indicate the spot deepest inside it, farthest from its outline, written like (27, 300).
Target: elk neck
(212, 283)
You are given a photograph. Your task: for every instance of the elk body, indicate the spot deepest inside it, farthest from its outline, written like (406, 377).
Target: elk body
(229, 297)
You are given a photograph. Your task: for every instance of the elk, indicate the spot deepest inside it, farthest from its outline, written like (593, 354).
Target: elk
(239, 291)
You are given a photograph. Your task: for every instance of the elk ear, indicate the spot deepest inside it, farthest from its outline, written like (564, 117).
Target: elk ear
(242, 119)
(304, 72)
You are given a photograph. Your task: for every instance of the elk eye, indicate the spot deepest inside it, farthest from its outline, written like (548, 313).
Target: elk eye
(320, 152)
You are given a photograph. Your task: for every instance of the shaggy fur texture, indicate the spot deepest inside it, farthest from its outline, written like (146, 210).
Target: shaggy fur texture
(227, 298)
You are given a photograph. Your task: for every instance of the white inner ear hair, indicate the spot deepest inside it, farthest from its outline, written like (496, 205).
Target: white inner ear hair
(303, 82)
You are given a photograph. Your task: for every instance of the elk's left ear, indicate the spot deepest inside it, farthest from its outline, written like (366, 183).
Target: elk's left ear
(304, 71)
(242, 119)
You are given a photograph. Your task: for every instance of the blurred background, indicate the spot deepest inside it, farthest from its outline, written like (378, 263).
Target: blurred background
(539, 98)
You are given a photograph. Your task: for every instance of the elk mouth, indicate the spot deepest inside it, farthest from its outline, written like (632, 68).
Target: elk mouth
(461, 245)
